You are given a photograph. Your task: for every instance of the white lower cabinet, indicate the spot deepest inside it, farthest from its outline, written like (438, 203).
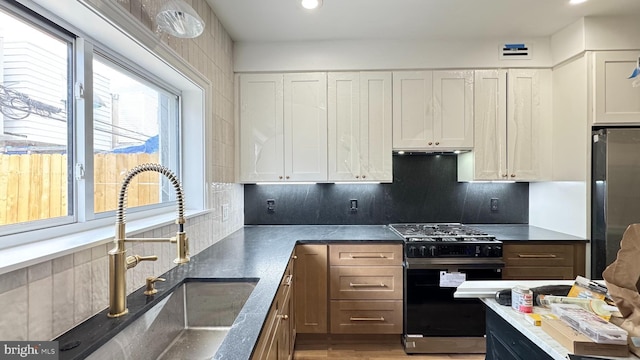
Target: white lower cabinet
(512, 127)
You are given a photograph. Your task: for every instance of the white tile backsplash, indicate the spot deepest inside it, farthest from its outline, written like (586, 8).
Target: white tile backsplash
(13, 280)
(63, 302)
(14, 314)
(40, 306)
(82, 291)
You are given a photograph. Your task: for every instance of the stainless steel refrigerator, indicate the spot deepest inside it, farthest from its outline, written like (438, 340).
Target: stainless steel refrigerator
(615, 192)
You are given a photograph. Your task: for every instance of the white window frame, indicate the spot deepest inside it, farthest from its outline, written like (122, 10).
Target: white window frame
(93, 20)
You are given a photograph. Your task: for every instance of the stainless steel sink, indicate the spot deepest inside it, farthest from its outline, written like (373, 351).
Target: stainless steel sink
(188, 324)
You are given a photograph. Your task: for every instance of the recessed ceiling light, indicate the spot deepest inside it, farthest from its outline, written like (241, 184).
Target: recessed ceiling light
(311, 4)
(575, 2)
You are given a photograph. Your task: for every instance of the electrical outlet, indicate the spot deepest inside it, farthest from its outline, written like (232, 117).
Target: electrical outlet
(494, 204)
(225, 212)
(271, 205)
(353, 205)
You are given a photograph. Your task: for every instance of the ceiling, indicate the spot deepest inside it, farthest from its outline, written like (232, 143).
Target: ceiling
(286, 20)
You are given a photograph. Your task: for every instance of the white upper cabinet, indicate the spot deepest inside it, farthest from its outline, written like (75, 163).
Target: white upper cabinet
(490, 127)
(412, 112)
(375, 126)
(512, 127)
(261, 128)
(433, 110)
(343, 95)
(453, 109)
(305, 127)
(360, 126)
(529, 125)
(283, 127)
(616, 100)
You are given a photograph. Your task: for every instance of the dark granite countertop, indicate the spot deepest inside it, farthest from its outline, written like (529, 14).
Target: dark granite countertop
(254, 252)
(524, 232)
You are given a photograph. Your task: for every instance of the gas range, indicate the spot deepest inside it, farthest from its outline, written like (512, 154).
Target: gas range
(437, 258)
(447, 240)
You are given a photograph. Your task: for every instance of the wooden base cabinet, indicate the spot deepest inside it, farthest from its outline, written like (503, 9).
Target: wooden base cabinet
(278, 334)
(543, 260)
(365, 289)
(311, 289)
(348, 289)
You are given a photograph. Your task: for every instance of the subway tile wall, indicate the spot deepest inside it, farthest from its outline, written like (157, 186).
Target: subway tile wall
(43, 301)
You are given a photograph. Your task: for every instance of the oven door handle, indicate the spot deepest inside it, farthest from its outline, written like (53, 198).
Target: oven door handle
(462, 264)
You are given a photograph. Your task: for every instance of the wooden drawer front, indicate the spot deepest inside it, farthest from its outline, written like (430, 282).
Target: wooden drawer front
(369, 254)
(538, 273)
(537, 255)
(366, 282)
(366, 317)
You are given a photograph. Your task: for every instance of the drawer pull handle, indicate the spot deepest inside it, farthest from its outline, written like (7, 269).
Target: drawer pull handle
(367, 285)
(379, 256)
(366, 319)
(537, 256)
(289, 280)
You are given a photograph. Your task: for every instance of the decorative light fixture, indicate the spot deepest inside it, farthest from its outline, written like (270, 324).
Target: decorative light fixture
(179, 19)
(311, 4)
(575, 2)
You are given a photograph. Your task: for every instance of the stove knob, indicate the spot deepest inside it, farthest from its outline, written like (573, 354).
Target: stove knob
(432, 251)
(412, 251)
(423, 251)
(486, 251)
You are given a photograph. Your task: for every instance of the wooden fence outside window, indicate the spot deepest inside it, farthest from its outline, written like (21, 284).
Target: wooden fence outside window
(35, 186)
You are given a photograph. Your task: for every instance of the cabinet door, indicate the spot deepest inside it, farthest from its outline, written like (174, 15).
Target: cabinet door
(311, 288)
(453, 109)
(305, 127)
(344, 126)
(261, 128)
(490, 122)
(412, 112)
(528, 119)
(375, 126)
(616, 100)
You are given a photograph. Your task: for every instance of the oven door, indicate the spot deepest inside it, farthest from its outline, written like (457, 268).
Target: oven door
(431, 310)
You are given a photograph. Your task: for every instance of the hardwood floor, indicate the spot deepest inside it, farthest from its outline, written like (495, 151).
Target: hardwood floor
(365, 351)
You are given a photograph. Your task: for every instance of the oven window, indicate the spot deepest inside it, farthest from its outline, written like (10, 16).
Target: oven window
(432, 310)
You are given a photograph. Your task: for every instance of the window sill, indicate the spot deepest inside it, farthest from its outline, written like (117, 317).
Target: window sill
(21, 256)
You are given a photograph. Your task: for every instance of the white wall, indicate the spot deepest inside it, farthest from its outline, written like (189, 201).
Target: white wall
(559, 206)
(593, 34)
(568, 42)
(382, 55)
(612, 33)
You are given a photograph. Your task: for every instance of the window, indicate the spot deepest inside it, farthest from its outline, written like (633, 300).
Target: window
(35, 73)
(135, 118)
(133, 123)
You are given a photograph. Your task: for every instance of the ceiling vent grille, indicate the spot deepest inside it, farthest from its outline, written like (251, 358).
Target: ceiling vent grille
(515, 51)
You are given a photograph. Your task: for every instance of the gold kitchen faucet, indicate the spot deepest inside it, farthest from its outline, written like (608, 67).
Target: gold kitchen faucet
(118, 261)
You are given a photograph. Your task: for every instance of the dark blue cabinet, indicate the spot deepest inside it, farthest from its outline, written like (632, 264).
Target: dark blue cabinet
(504, 342)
